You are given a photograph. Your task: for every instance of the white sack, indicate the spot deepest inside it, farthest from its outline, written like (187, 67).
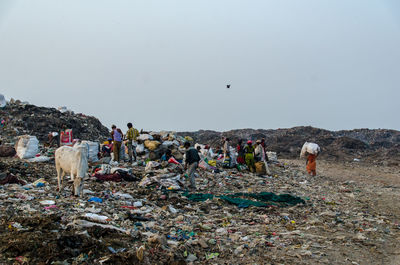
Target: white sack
(311, 148)
(93, 150)
(122, 152)
(272, 156)
(27, 146)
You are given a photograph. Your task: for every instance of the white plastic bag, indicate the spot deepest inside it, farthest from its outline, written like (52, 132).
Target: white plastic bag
(122, 152)
(27, 146)
(140, 149)
(168, 143)
(97, 217)
(233, 154)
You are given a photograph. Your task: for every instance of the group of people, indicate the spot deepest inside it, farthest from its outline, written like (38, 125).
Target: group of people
(249, 153)
(114, 143)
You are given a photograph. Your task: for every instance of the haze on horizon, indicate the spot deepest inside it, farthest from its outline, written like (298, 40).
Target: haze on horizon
(165, 64)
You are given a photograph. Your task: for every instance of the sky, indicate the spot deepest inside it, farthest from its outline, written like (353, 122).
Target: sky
(165, 64)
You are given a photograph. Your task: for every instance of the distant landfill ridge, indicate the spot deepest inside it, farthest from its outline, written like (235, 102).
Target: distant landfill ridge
(379, 146)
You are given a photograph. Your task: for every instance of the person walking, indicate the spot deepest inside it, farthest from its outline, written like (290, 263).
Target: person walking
(192, 159)
(117, 136)
(225, 148)
(131, 137)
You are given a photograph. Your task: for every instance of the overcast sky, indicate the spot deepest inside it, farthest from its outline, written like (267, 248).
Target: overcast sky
(164, 64)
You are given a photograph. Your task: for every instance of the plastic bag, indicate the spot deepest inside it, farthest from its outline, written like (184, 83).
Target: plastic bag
(140, 149)
(188, 138)
(27, 146)
(96, 217)
(212, 163)
(39, 159)
(173, 161)
(203, 165)
(122, 152)
(310, 148)
(260, 168)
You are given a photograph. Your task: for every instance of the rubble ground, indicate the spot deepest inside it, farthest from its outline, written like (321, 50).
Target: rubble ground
(351, 215)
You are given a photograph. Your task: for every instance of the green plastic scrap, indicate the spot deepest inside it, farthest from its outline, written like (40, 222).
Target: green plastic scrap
(243, 203)
(212, 255)
(198, 197)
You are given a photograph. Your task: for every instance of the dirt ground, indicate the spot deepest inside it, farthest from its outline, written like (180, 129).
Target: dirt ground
(385, 180)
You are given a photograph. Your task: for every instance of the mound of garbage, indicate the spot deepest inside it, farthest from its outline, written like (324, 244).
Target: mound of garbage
(141, 214)
(372, 145)
(18, 118)
(144, 213)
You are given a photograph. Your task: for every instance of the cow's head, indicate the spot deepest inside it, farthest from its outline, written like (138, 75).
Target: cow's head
(78, 185)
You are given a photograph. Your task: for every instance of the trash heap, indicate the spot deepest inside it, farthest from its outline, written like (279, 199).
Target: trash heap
(141, 212)
(138, 213)
(19, 118)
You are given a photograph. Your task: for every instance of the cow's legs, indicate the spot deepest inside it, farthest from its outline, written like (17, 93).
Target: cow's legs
(58, 168)
(62, 180)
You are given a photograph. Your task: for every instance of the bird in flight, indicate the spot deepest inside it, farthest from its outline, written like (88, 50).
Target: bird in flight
(228, 86)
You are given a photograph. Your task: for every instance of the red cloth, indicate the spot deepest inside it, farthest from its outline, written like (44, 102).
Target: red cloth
(109, 177)
(117, 177)
(240, 160)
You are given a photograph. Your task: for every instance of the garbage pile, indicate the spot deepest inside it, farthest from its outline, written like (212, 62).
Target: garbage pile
(18, 118)
(142, 214)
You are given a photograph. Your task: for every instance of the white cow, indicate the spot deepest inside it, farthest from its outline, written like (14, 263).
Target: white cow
(74, 161)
